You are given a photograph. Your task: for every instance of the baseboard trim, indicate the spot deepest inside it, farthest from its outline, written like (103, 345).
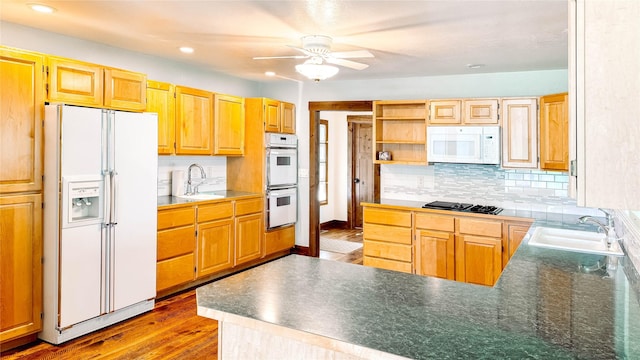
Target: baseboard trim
(301, 250)
(334, 224)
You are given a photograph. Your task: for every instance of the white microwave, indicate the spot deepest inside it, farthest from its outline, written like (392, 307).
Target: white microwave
(464, 144)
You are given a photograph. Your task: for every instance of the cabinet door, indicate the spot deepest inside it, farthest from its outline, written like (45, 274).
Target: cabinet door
(75, 82)
(125, 90)
(215, 246)
(288, 113)
(279, 239)
(481, 111)
(520, 133)
(515, 233)
(161, 100)
(194, 121)
(271, 115)
(21, 265)
(228, 125)
(435, 254)
(478, 259)
(249, 238)
(21, 102)
(554, 132)
(444, 112)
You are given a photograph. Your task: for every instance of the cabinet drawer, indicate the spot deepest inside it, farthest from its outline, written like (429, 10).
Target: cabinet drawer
(387, 233)
(435, 222)
(175, 271)
(387, 264)
(281, 239)
(480, 227)
(249, 206)
(175, 217)
(174, 242)
(387, 217)
(387, 250)
(215, 211)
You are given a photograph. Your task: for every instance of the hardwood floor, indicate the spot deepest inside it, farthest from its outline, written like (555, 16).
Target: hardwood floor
(354, 235)
(172, 330)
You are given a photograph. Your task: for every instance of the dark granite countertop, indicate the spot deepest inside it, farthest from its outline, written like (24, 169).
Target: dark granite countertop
(167, 201)
(544, 306)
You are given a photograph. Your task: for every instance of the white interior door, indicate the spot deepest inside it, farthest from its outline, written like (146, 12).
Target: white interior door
(136, 164)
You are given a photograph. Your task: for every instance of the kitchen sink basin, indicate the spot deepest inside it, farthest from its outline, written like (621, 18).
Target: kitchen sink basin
(573, 240)
(201, 196)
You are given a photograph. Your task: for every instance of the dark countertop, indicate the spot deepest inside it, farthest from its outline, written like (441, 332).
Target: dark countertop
(542, 307)
(168, 201)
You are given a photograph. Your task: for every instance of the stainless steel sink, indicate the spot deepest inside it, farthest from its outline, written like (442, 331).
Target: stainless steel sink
(574, 240)
(201, 196)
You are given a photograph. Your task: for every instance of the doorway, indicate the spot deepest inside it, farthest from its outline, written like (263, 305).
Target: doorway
(364, 176)
(314, 120)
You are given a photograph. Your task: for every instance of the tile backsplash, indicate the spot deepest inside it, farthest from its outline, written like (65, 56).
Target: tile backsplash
(534, 190)
(215, 168)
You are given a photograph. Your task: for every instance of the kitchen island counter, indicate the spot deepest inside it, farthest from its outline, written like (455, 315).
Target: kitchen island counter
(544, 306)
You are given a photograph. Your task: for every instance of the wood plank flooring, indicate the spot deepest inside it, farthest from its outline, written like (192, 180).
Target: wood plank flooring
(172, 330)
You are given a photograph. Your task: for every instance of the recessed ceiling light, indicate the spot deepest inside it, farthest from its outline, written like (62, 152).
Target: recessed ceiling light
(41, 8)
(270, 73)
(475, 66)
(186, 49)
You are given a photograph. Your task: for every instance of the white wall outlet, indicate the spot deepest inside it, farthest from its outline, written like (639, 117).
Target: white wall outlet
(303, 173)
(420, 181)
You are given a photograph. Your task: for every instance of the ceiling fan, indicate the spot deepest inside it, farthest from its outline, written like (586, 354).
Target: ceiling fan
(317, 48)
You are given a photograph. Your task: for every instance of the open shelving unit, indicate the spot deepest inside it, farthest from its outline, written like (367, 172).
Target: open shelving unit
(400, 128)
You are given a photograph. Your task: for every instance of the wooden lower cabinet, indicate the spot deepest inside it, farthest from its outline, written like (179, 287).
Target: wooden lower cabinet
(279, 240)
(20, 266)
(215, 246)
(249, 227)
(471, 249)
(176, 248)
(478, 259)
(387, 239)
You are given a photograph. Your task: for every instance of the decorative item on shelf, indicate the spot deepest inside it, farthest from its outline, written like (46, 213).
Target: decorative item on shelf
(384, 155)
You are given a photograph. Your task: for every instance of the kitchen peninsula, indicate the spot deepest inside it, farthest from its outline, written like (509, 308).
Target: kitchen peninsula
(543, 306)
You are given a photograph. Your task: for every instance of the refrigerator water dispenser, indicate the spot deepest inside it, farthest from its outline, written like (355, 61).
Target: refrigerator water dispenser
(82, 201)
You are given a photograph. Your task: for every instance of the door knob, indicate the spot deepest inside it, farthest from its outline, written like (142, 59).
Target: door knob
(356, 180)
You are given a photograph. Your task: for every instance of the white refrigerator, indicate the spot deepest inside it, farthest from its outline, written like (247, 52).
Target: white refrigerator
(100, 218)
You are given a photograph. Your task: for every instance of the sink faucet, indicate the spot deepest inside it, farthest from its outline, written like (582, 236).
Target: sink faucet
(607, 228)
(203, 175)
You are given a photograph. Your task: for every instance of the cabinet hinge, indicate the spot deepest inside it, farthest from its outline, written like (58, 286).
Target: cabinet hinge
(573, 168)
(41, 316)
(43, 205)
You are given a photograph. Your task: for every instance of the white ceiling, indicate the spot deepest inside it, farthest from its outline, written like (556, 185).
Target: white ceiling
(408, 38)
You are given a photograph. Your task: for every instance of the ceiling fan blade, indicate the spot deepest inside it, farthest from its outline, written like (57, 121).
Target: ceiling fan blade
(347, 63)
(352, 54)
(280, 57)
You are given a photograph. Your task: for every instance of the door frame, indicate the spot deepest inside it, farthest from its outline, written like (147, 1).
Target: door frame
(314, 205)
(352, 203)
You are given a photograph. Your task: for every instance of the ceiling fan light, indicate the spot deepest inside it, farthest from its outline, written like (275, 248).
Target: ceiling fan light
(316, 72)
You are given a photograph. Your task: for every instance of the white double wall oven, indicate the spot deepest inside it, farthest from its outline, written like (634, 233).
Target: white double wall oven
(281, 179)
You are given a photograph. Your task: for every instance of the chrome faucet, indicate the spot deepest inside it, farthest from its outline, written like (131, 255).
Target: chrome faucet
(607, 228)
(203, 175)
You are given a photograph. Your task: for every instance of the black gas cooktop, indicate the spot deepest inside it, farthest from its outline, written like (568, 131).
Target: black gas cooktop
(454, 206)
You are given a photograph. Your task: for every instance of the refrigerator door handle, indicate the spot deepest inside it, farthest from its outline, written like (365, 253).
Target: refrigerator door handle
(104, 268)
(114, 197)
(111, 261)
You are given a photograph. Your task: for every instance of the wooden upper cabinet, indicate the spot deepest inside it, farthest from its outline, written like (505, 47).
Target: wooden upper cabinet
(125, 90)
(520, 133)
(161, 100)
(288, 113)
(75, 82)
(81, 83)
(229, 125)
(271, 115)
(481, 112)
(554, 132)
(445, 112)
(194, 121)
(21, 111)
